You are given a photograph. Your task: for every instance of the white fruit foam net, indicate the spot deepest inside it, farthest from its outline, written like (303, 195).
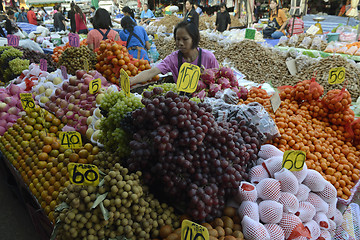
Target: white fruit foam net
(254, 230)
(303, 192)
(275, 231)
(314, 181)
(288, 182)
(338, 218)
(270, 211)
(250, 209)
(324, 235)
(247, 192)
(306, 211)
(293, 227)
(331, 210)
(314, 229)
(273, 165)
(329, 193)
(269, 189)
(332, 227)
(349, 228)
(319, 204)
(289, 201)
(301, 175)
(268, 151)
(257, 174)
(321, 219)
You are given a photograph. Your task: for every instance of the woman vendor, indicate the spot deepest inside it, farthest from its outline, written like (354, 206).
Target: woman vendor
(187, 39)
(137, 41)
(191, 15)
(278, 17)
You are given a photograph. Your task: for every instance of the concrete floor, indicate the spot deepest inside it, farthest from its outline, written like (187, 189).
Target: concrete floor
(15, 222)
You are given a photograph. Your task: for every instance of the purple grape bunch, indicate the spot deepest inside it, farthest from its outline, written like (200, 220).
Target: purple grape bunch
(197, 161)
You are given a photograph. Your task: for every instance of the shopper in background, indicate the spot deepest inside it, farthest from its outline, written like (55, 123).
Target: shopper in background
(102, 29)
(278, 18)
(187, 38)
(298, 24)
(16, 15)
(191, 15)
(31, 16)
(128, 12)
(137, 41)
(71, 17)
(92, 10)
(146, 15)
(10, 24)
(198, 9)
(80, 20)
(22, 16)
(59, 20)
(1, 10)
(223, 20)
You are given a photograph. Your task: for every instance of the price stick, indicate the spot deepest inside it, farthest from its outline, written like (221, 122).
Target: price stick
(43, 65)
(83, 174)
(250, 33)
(125, 82)
(336, 75)
(275, 101)
(188, 78)
(70, 139)
(86, 65)
(74, 40)
(64, 72)
(13, 40)
(156, 36)
(42, 115)
(193, 231)
(94, 86)
(27, 101)
(294, 160)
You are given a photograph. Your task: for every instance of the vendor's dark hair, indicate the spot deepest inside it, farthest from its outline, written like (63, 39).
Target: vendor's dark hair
(102, 19)
(72, 5)
(128, 10)
(277, 7)
(127, 23)
(10, 12)
(93, 7)
(31, 8)
(191, 29)
(223, 5)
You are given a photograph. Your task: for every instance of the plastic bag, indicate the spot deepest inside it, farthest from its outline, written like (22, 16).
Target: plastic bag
(306, 43)
(357, 53)
(293, 40)
(342, 49)
(27, 43)
(347, 34)
(283, 41)
(316, 43)
(229, 96)
(352, 50)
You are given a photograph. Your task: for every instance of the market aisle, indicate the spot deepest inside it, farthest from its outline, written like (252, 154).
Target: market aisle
(15, 222)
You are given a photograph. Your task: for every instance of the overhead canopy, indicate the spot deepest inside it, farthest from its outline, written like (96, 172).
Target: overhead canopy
(353, 12)
(36, 3)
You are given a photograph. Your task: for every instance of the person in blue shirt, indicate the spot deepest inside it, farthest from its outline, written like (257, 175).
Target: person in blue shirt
(198, 9)
(137, 41)
(146, 14)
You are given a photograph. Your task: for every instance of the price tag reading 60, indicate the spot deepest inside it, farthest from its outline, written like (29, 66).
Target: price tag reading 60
(27, 101)
(70, 139)
(294, 160)
(188, 78)
(125, 82)
(336, 75)
(83, 174)
(94, 86)
(193, 231)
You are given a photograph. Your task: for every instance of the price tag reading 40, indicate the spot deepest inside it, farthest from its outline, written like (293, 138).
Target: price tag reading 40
(125, 82)
(336, 75)
(94, 86)
(27, 101)
(294, 160)
(83, 174)
(13, 40)
(188, 78)
(193, 231)
(70, 139)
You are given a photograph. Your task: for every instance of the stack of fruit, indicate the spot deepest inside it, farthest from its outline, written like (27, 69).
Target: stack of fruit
(74, 58)
(58, 51)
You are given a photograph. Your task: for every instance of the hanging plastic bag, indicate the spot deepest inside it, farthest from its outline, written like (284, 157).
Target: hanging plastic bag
(352, 50)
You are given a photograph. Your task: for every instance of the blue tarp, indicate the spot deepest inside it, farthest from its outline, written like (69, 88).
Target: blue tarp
(329, 23)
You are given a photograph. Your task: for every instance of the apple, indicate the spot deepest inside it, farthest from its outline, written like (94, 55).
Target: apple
(64, 120)
(77, 94)
(72, 81)
(70, 115)
(52, 107)
(60, 113)
(44, 99)
(93, 104)
(80, 73)
(71, 99)
(83, 120)
(56, 109)
(41, 89)
(87, 113)
(91, 98)
(77, 101)
(48, 92)
(93, 72)
(99, 98)
(65, 85)
(76, 108)
(62, 95)
(87, 80)
(84, 88)
(89, 120)
(57, 81)
(53, 98)
(86, 75)
(71, 89)
(83, 96)
(71, 106)
(58, 101)
(89, 133)
(67, 96)
(47, 104)
(76, 117)
(63, 104)
(83, 129)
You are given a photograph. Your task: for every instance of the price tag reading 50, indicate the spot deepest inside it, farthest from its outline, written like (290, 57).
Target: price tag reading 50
(188, 79)
(336, 75)
(94, 86)
(70, 139)
(294, 160)
(125, 82)
(83, 174)
(193, 231)
(27, 101)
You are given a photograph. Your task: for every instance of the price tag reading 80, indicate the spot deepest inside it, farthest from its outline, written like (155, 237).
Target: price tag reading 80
(336, 75)
(188, 79)
(94, 86)
(27, 101)
(43, 65)
(83, 174)
(70, 139)
(294, 160)
(125, 82)
(74, 40)
(193, 231)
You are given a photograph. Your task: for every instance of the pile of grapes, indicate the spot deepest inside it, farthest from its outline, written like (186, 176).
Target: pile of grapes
(198, 162)
(34, 57)
(11, 64)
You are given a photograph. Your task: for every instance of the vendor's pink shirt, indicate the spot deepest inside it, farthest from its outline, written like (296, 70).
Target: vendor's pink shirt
(170, 63)
(94, 37)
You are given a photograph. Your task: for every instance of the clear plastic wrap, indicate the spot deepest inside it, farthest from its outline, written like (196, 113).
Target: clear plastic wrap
(283, 41)
(230, 97)
(293, 40)
(352, 50)
(316, 44)
(306, 43)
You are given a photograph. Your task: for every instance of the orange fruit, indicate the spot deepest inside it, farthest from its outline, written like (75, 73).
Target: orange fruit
(43, 156)
(47, 149)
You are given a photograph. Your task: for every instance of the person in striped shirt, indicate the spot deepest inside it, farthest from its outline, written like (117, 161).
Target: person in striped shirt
(298, 25)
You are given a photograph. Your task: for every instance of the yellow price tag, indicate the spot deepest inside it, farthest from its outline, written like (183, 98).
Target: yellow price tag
(86, 65)
(70, 139)
(27, 101)
(188, 78)
(193, 231)
(294, 160)
(156, 36)
(94, 86)
(83, 174)
(125, 82)
(336, 75)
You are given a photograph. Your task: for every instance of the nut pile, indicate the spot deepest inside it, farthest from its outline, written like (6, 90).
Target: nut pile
(169, 21)
(74, 59)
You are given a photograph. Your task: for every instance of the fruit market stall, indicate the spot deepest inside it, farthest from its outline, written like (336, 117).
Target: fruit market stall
(251, 152)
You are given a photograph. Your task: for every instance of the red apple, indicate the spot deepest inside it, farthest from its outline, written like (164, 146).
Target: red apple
(80, 73)
(65, 85)
(72, 81)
